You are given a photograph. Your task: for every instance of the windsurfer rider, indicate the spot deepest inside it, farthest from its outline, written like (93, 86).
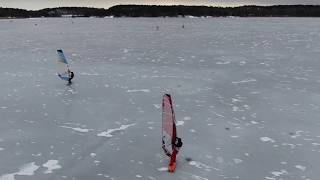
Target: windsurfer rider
(71, 75)
(177, 145)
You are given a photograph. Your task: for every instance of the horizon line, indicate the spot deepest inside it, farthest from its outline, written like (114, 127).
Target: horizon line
(235, 6)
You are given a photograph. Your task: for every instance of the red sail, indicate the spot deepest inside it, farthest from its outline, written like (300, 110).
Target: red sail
(169, 132)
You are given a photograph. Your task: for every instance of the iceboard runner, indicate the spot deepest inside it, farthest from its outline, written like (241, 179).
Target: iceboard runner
(171, 144)
(68, 75)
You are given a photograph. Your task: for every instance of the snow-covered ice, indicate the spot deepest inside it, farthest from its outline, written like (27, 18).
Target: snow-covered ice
(109, 132)
(51, 165)
(25, 170)
(245, 92)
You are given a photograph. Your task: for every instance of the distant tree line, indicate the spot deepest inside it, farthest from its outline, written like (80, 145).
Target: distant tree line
(168, 11)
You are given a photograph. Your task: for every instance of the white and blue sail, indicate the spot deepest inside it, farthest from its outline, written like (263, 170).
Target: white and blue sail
(62, 59)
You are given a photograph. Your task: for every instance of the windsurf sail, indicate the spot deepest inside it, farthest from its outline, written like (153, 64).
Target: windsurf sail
(62, 58)
(169, 131)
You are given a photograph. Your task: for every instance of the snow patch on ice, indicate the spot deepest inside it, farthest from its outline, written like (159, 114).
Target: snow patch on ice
(139, 90)
(198, 177)
(235, 108)
(315, 144)
(93, 155)
(1, 149)
(180, 123)
(279, 173)
(200, 165)
(25, 170)
(297, 134)
(187, 118)
(302, 168)
(267, 139)
(223, 62)
(244, 81)
(163, 169)
(237, 161)
(254, 122)
(270, 178)
(51, 165)
(152, 178)
(157, 106)
(109, 132)
(78, 129)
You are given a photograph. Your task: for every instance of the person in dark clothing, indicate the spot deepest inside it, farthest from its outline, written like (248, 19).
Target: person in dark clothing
(71, 75)
(178, 144)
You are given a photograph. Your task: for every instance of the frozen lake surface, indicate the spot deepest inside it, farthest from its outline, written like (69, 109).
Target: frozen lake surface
(246, 94)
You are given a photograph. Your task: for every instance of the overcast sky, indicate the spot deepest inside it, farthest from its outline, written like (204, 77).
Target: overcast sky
(39, 4)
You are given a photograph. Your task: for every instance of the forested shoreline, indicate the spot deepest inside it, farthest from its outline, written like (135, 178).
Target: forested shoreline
(167, 11)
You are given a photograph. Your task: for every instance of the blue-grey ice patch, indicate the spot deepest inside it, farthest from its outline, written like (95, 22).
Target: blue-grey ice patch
(109, 132)
(25, 170)
(51, 165)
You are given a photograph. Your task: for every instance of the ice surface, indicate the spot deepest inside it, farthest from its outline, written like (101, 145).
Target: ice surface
(245, 92)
